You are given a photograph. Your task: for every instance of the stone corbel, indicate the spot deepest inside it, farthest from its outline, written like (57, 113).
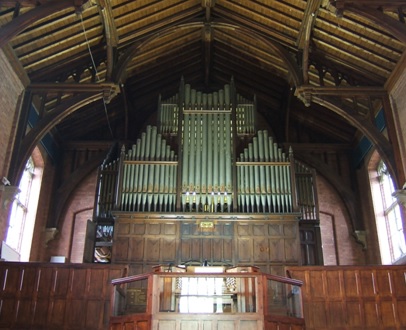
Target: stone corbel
(9, 193)
(361, 237)
(49, 235)
(400, 195)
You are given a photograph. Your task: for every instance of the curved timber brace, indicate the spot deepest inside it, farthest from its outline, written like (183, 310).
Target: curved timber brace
(330, 98)
(25, 142)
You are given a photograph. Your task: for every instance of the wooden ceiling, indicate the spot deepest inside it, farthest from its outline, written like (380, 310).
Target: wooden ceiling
(269, 47)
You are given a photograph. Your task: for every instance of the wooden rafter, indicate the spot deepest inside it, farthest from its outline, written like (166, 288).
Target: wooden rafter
(20, 23)
(309, 16)
(303, 40)
(368, 9)
(111, 35)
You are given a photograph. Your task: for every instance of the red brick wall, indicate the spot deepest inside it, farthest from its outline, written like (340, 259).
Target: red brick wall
(339, 244)
(398, 99)
(11, 88)
(38, 247)
(80, 205)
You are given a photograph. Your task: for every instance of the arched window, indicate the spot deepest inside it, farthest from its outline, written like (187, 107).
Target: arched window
(23, 211)
(388, 217)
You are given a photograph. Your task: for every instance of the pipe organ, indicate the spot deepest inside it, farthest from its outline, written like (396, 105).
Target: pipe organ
(203, 173)
(204, 183)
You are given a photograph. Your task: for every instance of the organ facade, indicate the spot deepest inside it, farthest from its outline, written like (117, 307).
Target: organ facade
(205, 185)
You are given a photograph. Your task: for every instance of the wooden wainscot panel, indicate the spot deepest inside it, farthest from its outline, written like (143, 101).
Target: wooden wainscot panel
(350, 297)
(121, 249)
(244, 250)
(152, 249)
(51, 296)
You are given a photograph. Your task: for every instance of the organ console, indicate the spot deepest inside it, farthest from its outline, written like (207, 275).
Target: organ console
(192, 162)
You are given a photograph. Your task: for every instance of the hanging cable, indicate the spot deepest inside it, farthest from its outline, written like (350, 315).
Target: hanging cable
(96, 72)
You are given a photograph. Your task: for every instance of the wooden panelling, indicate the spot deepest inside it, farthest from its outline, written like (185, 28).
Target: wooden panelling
(262, 242)
(50, 296)
(353, 297)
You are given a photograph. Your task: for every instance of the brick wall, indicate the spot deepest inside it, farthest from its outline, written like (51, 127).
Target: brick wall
(398, 99)
(11, 88)
(79, 207)
(340, 248)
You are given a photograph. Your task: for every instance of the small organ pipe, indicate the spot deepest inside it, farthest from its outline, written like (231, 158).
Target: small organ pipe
(204, 154)
(210, 101)
(240, 186)
(185, 162)
(257, 178)
(247, 180)
(187, 96)
(210, 153)
(125, 183)
(198, 140)
(204, 101)
(262, 176)
(199, 100)
(227, 97)
(215, 155)
(173, 182)
(192, 144)
(157, 167)
(151, 175)
(221, 152)
(192, 99)
(227, 152)
(221, 99)
(215, 101)
(135, 174)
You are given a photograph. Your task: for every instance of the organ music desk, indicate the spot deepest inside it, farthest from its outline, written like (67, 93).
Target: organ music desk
(201, 297)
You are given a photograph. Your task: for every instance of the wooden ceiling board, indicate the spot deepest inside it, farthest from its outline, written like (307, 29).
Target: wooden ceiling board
(364, 29)
(367, 28)
(159, 48)
(339, 43)
(134, 24)
(271, 33)
(270, 87)
(63, 20)
(351, 58)
(272, 19)
(350, 50)
(244, 45)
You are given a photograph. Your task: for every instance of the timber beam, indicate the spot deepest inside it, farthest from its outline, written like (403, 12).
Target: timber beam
(305, 93)
(108, 90)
